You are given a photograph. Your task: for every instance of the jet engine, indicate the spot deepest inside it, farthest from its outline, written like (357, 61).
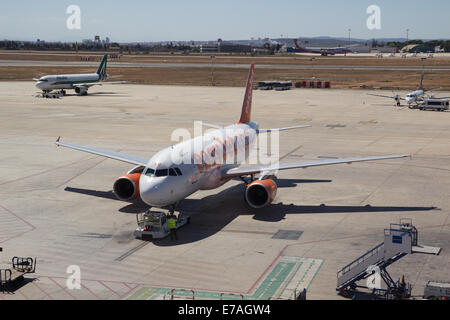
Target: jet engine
(261, 193)
(127, 187)
(81, 90)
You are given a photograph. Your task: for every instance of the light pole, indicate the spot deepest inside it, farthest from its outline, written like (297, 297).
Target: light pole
(212, 70)
(349, 33)
(407, 35)
(312, 63)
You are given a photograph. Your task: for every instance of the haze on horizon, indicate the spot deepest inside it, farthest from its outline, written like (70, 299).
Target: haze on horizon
(201, 20)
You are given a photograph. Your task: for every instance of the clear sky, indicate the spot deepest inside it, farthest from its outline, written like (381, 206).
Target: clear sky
(148, 20)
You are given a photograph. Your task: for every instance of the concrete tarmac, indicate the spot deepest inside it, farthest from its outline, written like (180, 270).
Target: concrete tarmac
(56, 204)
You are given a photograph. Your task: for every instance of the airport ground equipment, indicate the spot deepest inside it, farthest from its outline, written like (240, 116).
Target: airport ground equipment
(437, 290)
(266, 85)
(284, 85)
(399, 240)
(154, 225)
(53, 95)
(15, 275)
(435, 105)
(313, 84)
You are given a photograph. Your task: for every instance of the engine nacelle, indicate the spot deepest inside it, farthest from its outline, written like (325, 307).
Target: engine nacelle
(261, 193)
(127, 187)
(81, 90)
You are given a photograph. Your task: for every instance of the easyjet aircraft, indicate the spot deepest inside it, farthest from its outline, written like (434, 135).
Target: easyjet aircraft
(175, 173)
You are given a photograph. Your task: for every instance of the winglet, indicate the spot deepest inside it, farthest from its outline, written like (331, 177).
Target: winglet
(58, 140)
(247, 105)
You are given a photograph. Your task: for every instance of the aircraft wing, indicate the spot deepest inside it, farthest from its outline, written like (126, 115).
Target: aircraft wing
(211, 125)
(139, 161)
(390, 97)
(88, 85)
(283, 129)
(239, 172)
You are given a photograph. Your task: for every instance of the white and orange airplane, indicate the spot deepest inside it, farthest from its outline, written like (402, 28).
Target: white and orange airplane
(176, 172)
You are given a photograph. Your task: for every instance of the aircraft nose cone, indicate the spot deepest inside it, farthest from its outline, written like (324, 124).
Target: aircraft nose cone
(154, 191)
(39, 84)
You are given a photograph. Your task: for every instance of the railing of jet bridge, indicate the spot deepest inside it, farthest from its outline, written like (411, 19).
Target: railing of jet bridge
(232, 296)
(5, 276)
(361, 259)
(172, 295)
(25, 265)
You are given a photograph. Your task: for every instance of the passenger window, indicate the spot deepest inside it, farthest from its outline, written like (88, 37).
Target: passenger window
(172, 173)
(178, 171)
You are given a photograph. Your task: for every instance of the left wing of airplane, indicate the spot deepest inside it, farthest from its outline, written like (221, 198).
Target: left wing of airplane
(139, 161)
(239, 172)
(390, 97)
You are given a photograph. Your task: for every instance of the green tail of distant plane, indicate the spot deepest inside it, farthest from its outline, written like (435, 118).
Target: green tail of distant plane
(102, 68)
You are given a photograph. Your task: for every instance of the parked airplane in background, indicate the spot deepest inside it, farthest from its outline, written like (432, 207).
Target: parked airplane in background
(322, 51)
(174, 174)
(78, 82)
(414, 97)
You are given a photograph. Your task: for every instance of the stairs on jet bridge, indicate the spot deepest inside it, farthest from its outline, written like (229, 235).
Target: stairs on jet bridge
(399, 240)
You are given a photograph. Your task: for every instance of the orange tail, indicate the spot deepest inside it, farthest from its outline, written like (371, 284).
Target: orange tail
(247, 106)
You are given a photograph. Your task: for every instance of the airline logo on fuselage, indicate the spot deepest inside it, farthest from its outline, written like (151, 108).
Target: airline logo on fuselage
(222, 152)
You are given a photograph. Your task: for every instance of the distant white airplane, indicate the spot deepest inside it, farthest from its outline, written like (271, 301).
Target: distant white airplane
(78, 82)
(174, 174)
(322, 51)
(414, 97)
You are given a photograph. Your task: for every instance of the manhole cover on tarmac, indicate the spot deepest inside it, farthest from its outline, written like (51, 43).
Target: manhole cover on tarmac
(288, 235)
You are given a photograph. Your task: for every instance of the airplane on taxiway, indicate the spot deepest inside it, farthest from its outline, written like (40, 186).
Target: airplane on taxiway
(414, 97)
(78, 82)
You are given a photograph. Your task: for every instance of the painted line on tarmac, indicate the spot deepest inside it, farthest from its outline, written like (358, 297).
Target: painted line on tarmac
(130, 252)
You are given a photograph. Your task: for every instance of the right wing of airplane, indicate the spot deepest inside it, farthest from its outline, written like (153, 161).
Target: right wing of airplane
(88, 85)
(139, 161)
(283, 129)
(240, 172)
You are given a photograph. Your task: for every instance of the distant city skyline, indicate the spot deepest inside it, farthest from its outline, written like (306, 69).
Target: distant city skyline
(206, 20)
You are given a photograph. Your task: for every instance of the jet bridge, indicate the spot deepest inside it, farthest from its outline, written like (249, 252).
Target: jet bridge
(14, 275)
(399, 240)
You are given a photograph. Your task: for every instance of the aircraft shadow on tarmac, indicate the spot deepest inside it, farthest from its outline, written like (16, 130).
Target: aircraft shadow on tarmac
(213, 213)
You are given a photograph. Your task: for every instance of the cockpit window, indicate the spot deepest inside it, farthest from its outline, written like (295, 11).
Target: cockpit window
(43, 80)
(162, 173)
(173, 172)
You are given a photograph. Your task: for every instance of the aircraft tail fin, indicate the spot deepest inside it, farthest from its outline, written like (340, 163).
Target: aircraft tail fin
(247, 105)
(101, 71)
